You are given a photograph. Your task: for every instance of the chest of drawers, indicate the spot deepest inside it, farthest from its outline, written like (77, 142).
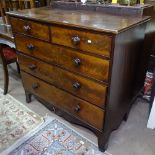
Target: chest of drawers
(79, 65)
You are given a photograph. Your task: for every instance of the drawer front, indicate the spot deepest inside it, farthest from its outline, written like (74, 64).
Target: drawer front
(81, 109)
(34, 29)
(86, 41)
(74, 61)
(77, 85)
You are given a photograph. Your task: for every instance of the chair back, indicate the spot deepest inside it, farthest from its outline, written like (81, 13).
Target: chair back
(25, 4)
(2, 59)
(10, 5)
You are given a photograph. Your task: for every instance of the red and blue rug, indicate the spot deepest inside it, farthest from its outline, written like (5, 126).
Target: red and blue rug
(55, 138)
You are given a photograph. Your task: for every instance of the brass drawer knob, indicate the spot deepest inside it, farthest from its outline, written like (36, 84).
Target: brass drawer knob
(76, 40)
(77, 62)
(26, 28)
(32, 66)
(35, 86)
(30, 46)
(76, 85)
(77, 108)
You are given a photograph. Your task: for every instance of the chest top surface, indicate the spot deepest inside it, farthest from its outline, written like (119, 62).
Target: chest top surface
(83, 19)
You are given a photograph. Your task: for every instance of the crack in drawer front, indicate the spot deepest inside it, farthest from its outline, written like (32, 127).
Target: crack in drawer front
(67, 102)
(82, 87)
(30, 28)
(71, 60)
(87, 41)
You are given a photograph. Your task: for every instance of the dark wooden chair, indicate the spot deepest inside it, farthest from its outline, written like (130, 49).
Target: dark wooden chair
(7, 44)
(7, 56)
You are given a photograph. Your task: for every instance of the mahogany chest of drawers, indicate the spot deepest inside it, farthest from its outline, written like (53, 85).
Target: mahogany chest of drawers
(81, 64)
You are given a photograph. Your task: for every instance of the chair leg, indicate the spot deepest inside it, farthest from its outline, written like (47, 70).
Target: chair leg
(6, 79)
(18, 68)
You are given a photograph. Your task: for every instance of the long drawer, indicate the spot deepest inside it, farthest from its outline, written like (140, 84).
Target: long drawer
(71, 60)
(75, 84)
(30, 28)
(92, 42)
(73, 105)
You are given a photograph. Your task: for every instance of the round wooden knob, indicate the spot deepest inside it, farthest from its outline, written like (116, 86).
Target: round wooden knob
(27, 28)
(35, 86)
(76, 85)
(30, 46)
(77, 108)
(76, 40)
(32, 66)
(77, 62)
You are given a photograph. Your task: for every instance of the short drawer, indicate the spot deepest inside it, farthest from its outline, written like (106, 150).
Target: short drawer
(79, 108)
(83, 40)
(69, 59)
(75, 84)
(31, 28)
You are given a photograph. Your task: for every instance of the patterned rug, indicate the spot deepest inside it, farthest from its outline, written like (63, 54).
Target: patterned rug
(16, 120)
(55, 138)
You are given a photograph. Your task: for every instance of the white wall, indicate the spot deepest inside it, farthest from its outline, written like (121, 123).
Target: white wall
(151, 121)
